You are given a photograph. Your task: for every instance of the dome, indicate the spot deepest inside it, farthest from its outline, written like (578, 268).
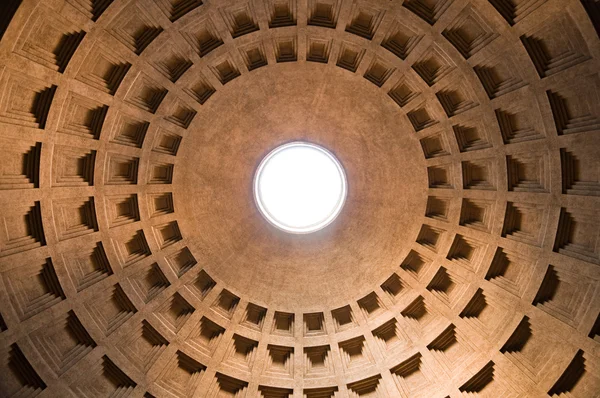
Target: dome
(460, 258)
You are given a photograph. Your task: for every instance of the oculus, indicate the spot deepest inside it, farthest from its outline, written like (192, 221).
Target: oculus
(300, 187)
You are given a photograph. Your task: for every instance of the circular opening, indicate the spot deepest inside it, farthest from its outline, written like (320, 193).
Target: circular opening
(300, 187)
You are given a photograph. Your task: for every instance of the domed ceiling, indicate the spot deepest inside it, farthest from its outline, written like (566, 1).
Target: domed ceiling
(135, 262)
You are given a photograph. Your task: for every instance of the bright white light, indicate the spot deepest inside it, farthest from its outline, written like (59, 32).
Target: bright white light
(300, 187)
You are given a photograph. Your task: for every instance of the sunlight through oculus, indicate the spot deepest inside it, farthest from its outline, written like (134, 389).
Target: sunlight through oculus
(300, 187)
